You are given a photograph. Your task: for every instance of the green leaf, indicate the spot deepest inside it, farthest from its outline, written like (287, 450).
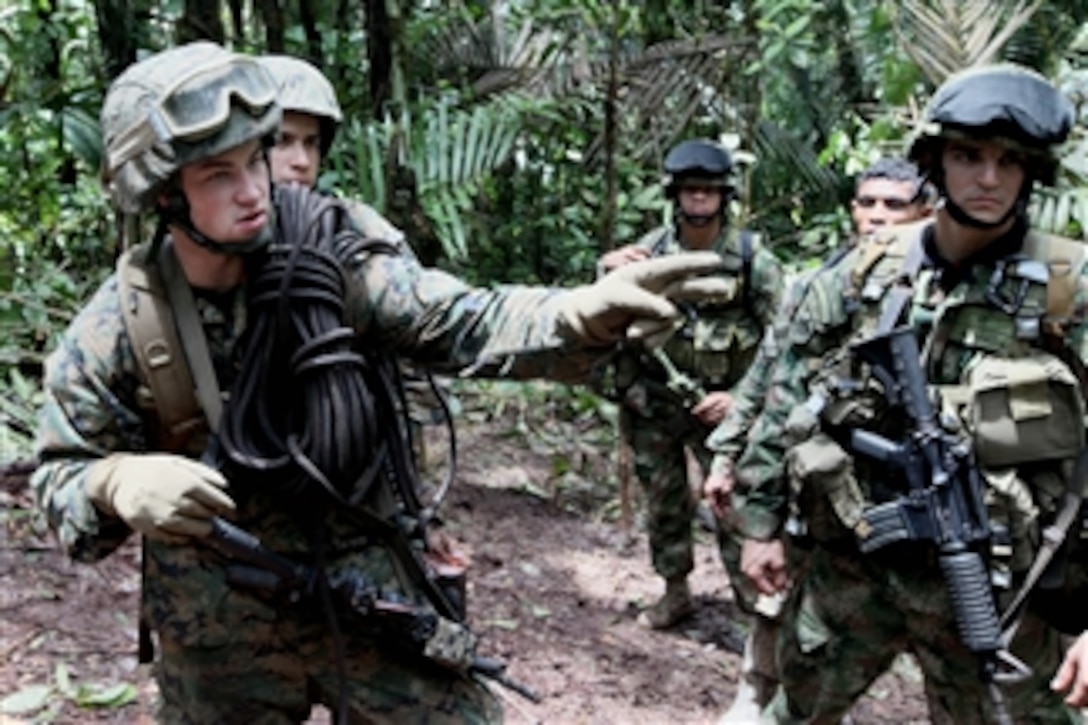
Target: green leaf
(117, 695)
(63, 681)
(27, 700)
(507, 624)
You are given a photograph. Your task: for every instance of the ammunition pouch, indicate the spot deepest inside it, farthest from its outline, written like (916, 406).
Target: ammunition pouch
(823, 484)
(1024, 410)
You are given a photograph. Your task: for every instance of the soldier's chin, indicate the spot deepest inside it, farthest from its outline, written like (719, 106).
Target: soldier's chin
(260, 240)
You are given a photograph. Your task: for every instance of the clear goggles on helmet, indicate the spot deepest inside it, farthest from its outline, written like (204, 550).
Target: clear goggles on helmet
(198, 105)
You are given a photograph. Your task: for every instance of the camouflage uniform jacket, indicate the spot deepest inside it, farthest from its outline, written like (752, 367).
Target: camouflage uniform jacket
(718, 341)
(727, 441)
(96, 403)
(950, 305)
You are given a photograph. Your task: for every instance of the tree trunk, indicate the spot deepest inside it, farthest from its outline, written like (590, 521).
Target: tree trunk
(200, 20)
(308, 20)
(379, 55)
(606, 231)
(835, 18)
(118, 36)
(236, 16)
(274, 24)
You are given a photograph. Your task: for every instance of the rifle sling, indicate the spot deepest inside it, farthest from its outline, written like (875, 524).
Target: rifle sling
(1053, 538)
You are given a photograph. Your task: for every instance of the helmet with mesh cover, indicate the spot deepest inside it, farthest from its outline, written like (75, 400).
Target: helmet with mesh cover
(176, 107)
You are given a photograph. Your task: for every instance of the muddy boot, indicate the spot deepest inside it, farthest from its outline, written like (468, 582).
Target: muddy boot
(675, 605)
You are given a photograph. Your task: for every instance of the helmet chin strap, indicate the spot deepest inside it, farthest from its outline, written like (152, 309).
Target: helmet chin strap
(960, 215)
(697, 220)
(258, 241)
(702, 220)
(178, 213)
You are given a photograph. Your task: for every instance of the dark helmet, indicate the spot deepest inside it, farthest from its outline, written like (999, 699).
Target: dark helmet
(1005, 101)
(702, 159)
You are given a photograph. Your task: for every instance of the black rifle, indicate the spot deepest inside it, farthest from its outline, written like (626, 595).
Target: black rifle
(420, 627)
(943, 503)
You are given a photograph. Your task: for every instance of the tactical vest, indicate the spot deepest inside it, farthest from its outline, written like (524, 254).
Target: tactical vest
(997, 356)
(717, 341)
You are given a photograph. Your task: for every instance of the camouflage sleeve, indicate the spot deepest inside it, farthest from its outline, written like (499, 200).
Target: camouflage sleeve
(373, 225)
(767, 283)
(439, 321)
(819, 324)
(90, 384)
(727, 440)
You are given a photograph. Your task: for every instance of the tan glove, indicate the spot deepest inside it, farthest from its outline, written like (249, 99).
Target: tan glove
(164, 496)
(600, 313)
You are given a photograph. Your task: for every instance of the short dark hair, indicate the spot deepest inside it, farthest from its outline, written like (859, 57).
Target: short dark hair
(890, 167)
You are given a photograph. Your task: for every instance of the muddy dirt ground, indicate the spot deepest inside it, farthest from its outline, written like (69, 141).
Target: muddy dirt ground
(555, 586)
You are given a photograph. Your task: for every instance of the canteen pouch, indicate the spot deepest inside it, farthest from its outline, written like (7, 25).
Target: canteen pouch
(1023, 410)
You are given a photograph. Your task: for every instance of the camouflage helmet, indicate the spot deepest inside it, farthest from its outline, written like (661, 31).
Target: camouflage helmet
(179, 106)
(703, 159)
(1008, 102)
(305, 89)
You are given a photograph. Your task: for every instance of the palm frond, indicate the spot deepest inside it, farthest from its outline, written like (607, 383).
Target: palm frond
(662, 88)
(945, 36)
(450, 151)
(1060, 211)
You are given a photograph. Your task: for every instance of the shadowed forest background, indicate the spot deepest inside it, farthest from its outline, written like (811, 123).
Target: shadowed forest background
(512, 141)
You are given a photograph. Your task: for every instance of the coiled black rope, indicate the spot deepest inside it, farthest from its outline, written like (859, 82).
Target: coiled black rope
(311, 406)
(308, 406)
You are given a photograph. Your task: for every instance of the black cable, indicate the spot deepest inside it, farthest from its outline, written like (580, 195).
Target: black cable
(312, 406)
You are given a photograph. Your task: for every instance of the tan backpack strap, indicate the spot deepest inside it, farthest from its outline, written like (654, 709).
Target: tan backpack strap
(903, 290)
(870, 252)
(194, 343)
(1064, 260)
(153, 335)
(899, 242)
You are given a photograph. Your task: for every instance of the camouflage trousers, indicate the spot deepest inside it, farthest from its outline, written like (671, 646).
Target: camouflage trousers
(661, 468)
(849, 615)
(729, 546)
(276, 677)
(232, 655)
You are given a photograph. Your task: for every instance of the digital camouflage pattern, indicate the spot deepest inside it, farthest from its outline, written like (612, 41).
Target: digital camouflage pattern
(848, 613)
(714, 348)
(210, 633)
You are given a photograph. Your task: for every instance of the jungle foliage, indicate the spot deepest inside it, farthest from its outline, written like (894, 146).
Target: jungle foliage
(511, 140)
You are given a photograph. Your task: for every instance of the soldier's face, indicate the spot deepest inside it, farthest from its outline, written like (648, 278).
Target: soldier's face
(983, 177)
(699, 199)
(228, 194)
(882, 202)
(297, 153)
